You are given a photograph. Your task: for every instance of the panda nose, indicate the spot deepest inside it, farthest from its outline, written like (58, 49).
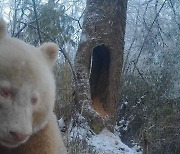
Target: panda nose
(18, 136)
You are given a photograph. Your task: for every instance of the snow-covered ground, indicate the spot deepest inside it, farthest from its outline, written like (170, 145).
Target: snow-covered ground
(103, 143)
(107, 143)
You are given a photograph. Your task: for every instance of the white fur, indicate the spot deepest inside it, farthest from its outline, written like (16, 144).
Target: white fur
(26, 71)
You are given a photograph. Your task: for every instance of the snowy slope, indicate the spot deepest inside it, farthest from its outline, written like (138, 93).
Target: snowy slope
(103, 143)
(107, 143)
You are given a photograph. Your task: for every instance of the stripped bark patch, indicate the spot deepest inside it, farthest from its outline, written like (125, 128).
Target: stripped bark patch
(98, 107)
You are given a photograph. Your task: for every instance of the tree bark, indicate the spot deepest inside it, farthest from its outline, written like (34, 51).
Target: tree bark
(99, 60)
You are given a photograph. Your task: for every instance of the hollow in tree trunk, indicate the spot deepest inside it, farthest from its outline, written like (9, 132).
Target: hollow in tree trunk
(99, 60)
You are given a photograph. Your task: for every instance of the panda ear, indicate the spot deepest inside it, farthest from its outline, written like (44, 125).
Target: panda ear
(50, 52)
(2, 28)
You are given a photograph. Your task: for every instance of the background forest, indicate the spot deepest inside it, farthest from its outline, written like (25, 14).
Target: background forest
(149, 108)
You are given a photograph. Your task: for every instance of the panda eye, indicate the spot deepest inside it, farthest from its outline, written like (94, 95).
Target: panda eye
(34, 100)
(5, 92)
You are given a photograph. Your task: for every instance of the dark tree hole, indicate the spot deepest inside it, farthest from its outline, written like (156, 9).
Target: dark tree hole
(99, 77)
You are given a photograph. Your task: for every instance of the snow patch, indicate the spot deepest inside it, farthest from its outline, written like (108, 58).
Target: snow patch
(83, 38)
(103, 143)
(106, 143)
(62, 125)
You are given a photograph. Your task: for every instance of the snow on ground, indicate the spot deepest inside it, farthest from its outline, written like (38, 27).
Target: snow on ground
(107, 143)
(103, 143)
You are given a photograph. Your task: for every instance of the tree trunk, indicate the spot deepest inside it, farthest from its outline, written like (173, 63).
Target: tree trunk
(99, 60)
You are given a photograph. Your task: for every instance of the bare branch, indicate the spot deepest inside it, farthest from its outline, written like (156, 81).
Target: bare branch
(37, 23)
(145, 39)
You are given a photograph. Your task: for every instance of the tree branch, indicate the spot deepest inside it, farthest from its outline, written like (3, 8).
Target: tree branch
(141, 49)
(37, 23)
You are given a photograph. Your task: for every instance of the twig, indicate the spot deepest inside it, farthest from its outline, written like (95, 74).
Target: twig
(132, 43)
(37, 23)
(25, 25)
(141, 49)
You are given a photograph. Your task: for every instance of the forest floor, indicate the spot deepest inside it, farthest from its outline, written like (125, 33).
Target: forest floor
(107, 143)
(85, 141)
